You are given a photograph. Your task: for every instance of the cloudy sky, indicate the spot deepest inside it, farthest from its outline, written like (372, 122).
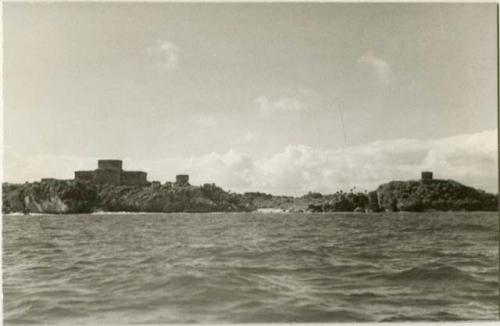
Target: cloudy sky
(281, 98)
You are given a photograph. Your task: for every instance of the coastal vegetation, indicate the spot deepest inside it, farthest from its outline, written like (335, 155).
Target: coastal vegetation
(66, 197)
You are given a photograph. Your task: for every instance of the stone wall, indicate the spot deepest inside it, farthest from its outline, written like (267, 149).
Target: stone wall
(110, 172)
(112, 177)
(109, 165)
(134, 178)
(84, 175)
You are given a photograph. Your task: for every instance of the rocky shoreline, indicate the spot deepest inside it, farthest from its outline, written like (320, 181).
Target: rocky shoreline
(73, 197)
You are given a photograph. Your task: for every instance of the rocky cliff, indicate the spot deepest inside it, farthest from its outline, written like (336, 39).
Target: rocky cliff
(442, 195)
(49, 197)
(65, 197)
(409, 196)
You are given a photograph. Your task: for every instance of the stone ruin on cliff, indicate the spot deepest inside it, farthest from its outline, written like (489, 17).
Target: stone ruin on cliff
(111, 172)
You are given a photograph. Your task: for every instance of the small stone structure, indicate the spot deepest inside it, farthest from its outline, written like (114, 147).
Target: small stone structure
(182, 179)
(115, 165)
(426, 176)
(48, 179)
(111, 172)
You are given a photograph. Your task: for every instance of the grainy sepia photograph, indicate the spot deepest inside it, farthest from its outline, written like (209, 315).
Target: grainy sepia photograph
(249, 163)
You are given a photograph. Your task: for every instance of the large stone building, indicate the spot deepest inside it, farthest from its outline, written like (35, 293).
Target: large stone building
(111, 172)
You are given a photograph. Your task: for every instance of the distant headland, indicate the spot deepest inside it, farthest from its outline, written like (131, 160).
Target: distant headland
(111, 189)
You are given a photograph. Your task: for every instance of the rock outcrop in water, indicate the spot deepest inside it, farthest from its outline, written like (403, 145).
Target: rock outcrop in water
(66, 197)
(410, 196)
(442, 195)
(50, 196)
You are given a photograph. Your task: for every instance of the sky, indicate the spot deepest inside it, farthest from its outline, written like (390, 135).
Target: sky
(281, 98)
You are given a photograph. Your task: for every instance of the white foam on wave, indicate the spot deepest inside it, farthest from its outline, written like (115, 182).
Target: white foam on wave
(29, 214)
(123, 213)
(270, 210)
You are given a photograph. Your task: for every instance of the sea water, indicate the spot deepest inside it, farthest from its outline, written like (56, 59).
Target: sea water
(249, 267)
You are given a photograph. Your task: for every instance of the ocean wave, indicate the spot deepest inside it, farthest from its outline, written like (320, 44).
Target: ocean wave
(435, 317)
(430, 273)
(248, 268)
(123, 213)
(472, 227)
(371, 255)
(452, 227)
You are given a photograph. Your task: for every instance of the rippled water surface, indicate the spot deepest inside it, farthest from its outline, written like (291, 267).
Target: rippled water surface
(167, 268)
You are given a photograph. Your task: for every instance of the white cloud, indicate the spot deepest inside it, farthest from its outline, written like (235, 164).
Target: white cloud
(166, 53)
(470, 159)
(381, 68)
(297, 169)
(281, 105)
(231, 168)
